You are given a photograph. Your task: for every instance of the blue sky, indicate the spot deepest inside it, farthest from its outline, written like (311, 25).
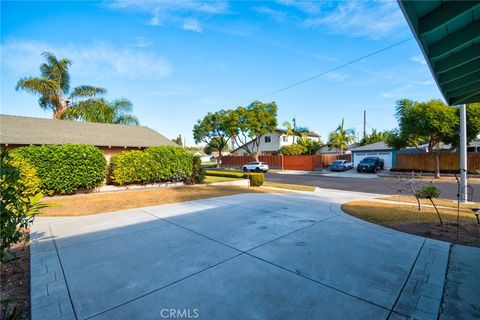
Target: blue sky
(178, 60)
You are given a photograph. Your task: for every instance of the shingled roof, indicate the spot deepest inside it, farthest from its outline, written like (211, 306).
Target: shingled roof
(17, 130)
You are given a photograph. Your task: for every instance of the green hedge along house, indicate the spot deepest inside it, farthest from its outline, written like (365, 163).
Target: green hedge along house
(18, 131)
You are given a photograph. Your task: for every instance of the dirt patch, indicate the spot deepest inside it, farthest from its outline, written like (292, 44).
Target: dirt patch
(407, 218)
(15, 283)
(84, 204)
(468, 233)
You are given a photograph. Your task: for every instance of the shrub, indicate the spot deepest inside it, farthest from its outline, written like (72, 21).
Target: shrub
(225, 174)
(65, 168)
(197, 172)
(174, 164)
(28, 175)
(133, 167)
(256, 179)
(293, 150)
(17, 209)
(427, 192)
(155, 164)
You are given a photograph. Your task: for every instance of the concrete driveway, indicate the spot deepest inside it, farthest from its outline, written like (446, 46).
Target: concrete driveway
(249, 256)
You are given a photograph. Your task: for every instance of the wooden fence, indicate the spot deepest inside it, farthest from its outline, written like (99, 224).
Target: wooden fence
(307, 163)
(426, 161)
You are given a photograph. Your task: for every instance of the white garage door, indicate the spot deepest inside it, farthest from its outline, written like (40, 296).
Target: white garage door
(385, 155)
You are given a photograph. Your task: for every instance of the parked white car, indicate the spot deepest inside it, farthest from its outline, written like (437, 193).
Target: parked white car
(255, 166)
(341, 165)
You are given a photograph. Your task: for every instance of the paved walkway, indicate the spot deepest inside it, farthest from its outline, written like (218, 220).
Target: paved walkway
(250, 256)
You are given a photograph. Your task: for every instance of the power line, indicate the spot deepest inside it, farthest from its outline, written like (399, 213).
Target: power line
(335, 68)
(324, 72)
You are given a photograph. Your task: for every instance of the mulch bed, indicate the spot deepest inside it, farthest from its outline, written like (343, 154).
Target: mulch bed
(15, 283)
(468, 232)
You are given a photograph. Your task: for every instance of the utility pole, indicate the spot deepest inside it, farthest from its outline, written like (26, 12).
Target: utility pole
(364, 123)
(463, 154)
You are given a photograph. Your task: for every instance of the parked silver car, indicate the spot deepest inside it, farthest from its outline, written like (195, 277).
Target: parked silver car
(255, 166)
(341, 165)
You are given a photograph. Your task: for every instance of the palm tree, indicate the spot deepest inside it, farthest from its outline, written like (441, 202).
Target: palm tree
(53, 86)
(101, 110)
(341, 138)
(293, 130)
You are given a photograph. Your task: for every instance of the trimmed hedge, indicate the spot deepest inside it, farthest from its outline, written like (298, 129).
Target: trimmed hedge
(225, 174)
(133, 167)
(66, 168)
(175, 163)
(197, 172)
(256, 179)
(28, 175)
(156, 164)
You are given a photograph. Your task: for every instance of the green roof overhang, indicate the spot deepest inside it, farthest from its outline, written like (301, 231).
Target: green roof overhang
(448, 33)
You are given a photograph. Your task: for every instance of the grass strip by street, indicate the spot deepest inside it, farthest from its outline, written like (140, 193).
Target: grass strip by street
(214, 179)
(407, 218)
(438, 202)
(84, 204)
(298, 187)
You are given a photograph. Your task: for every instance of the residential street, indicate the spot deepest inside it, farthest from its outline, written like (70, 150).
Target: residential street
(371, 185)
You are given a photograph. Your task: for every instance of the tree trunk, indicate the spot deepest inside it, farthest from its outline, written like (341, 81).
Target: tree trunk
(437, 165)
(438, 213)
(57, 114)
(219, 159)
(257, 157)
(60, 106)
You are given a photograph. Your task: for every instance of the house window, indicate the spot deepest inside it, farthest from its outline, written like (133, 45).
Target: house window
(284, 138)
(268, 139)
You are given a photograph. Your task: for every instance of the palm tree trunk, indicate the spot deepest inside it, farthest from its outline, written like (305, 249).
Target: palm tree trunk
(59, 108)
(57, 114)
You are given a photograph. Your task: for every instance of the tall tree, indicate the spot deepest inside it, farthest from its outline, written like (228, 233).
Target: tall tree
(101, 110)
(293, 130)
(249, 124)
(428, 123)
(53, 86)
(217, 144)
(374, 136)
(214, 126)
(341, 138)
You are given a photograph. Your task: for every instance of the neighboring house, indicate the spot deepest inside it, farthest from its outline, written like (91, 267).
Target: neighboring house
(203, 156)
(474, 146)
(324, 149)
(271, 143)
(17, 131)
(377, 149)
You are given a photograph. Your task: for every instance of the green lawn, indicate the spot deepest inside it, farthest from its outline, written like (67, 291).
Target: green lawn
(212, 179)
(297, 187)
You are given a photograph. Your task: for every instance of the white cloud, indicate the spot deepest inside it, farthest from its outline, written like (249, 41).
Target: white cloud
(192, 25)
(277, 15)
(154, 21)
(310, 7)
(336, 76)
(214, 7)
(407, 89)
(98, 59)
(377, 19)
(141, 42)
(170, 12)
(419, 59)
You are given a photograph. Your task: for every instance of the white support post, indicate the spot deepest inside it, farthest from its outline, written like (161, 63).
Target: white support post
(463, 153)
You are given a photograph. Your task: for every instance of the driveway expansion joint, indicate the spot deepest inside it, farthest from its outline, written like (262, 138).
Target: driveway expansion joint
(421, 295)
